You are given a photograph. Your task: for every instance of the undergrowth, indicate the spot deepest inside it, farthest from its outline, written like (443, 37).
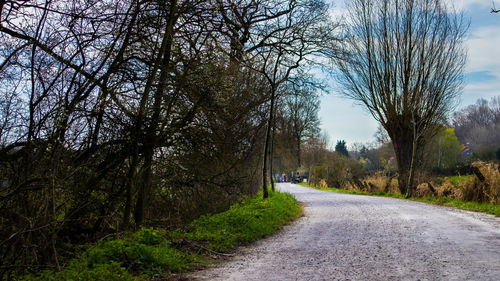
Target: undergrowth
(155, 253)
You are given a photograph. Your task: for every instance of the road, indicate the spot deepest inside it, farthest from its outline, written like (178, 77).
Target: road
(352, 237)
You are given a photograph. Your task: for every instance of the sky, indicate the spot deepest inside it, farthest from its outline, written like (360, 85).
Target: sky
(341, 119)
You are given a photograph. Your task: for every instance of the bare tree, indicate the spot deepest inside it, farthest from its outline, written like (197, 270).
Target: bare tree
(404, 63)
(275, 38)
(301, 112)
(477, 125)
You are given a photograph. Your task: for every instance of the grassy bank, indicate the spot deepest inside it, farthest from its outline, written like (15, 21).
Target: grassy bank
(489, 208)
(155, 253)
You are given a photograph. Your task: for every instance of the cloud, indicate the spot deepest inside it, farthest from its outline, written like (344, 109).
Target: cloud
(484, 54)
(463, 5)
(483, 65)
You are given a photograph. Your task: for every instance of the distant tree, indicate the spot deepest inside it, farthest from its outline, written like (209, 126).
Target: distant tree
(341, 148)
(313, 151)
(284, 34)
(449, 149)
(404, 62)
(478, 126)
(302, 107)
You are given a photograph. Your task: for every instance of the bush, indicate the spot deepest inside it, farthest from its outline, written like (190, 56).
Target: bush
(337, 171)
(146, 252)
(423, 190)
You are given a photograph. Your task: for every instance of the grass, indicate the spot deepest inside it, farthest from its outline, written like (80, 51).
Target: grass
(459, 180)
(489, 208)
(155, 253)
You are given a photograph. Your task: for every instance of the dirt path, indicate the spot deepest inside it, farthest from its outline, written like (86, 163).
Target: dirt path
(350, 237)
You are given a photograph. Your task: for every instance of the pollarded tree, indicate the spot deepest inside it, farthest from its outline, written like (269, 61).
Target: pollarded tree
(404, 63)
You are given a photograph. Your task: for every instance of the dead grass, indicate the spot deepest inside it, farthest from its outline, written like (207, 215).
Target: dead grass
(485, 186)
(446, 189)
(380, 182)
(322, 183)
(423, 190)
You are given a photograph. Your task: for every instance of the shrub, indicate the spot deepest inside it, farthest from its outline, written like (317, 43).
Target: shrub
(337, 171)
(147, 252)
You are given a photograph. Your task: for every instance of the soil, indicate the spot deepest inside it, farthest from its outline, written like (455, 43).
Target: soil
(352, 237)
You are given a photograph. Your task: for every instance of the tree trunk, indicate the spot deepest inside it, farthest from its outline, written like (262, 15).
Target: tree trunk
(403, 149)
(151, 139)
(298, 151)
(271, 156)
(266, 146)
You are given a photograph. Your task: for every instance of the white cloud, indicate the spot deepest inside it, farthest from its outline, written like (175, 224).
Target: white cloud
(483, 56)
(462, 5)
(483, 49)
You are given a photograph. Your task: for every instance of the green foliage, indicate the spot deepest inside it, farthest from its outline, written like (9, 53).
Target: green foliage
(146, 252)
(444, 150)
(498, 153)
(459, 180)
(111, 271)
(149, 253)
(246, 222)
(450, 149)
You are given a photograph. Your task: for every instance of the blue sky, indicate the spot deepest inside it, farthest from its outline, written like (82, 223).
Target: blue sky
(342, 119)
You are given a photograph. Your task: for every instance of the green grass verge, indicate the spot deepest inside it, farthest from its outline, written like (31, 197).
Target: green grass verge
(458, 180)
(155, 253)
(489, 208)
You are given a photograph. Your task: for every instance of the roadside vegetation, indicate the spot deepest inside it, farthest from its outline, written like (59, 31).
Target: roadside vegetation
(120, 114)
(477, 192)
(156, 253)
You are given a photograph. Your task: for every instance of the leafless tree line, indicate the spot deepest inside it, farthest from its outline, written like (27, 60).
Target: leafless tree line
(478, 126)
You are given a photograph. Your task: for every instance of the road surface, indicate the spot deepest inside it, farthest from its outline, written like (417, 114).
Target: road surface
(352, 237)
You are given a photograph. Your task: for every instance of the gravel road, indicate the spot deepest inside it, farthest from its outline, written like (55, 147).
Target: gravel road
(351, 237)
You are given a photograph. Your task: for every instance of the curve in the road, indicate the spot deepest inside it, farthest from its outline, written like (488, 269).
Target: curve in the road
(352, 237)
